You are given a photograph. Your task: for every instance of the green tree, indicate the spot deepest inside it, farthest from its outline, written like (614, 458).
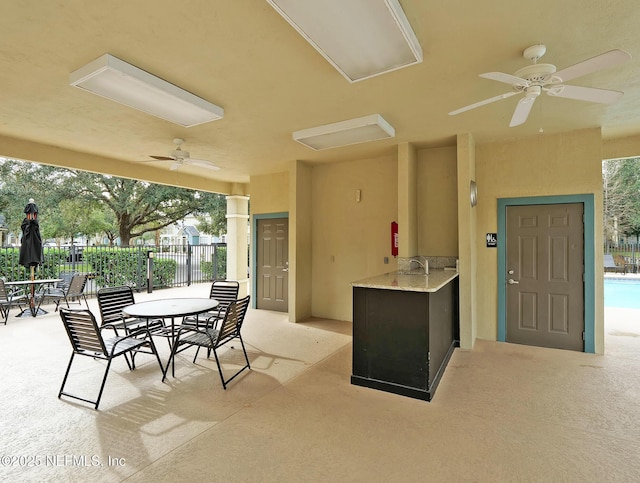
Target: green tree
(20, 181)
(139, 207)
(213, 215)
(621, 209)
(72, 217)
(117, 207)
(104, 222)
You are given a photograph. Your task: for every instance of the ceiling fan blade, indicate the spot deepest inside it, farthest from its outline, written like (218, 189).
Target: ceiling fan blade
(590, 94)
(201, 162)
(599, 62)
(521, 113)
(505, 78)
(482, 103)
(162, 158)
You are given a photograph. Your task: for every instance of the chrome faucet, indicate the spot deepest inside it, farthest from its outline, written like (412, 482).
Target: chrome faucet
(423, 265)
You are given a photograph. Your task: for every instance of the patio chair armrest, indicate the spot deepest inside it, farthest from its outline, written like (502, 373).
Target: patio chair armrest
(188, 328)
(106, 325)
(137, 332)
(16, 292)
(195, 330)
(213, 320)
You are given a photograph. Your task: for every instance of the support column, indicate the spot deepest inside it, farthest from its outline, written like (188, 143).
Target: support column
(467, 237)
(238, 241)
(407, 201)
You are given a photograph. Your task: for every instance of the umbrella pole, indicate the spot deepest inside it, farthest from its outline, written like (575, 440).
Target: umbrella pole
(33, 289)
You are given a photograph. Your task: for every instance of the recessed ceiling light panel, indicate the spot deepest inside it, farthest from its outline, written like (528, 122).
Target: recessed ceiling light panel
(344, 133)
(119, 81)
(360, 38)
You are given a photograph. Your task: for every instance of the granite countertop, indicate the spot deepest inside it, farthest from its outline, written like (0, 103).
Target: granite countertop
(413, 281)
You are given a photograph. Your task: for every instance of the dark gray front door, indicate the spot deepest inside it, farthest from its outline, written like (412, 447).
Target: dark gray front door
(272, 264)
(545, 266)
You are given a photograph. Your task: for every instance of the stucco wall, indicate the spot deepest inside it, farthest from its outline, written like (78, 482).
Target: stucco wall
(350, 238)
(570, 163)
(269, 193)
(437, 202)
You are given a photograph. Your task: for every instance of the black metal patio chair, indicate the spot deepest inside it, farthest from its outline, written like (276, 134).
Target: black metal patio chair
(225, 292)
(10, 298)
(73, 290)
(111, 301)
(87, 340)
(65, 279)
(213, 339)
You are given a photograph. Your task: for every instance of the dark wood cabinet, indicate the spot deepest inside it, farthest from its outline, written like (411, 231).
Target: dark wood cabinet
(402, 340)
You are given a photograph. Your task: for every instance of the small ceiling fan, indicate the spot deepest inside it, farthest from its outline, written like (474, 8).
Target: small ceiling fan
(180, 157)
(534, 79)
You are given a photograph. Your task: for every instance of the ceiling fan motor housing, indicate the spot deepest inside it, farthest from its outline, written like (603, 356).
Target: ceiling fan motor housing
(536, 73)
(179, 154)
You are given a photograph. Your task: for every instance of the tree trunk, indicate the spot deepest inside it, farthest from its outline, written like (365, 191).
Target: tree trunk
(125, 230)
(125, 238)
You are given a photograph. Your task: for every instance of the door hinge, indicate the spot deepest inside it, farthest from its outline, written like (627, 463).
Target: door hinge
(583, 335)
(429, 356)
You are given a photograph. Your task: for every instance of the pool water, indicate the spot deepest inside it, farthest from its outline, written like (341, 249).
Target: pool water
(622, 293)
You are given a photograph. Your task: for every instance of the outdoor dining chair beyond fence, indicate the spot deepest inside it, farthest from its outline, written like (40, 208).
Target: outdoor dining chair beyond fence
(86, 340)
(225, 292)
(10, 298)
(213, 339)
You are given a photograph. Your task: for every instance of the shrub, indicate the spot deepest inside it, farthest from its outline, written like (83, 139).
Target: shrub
(216, 268)
(116, 266)
(127, 266)
(11, 270)
(164, 271)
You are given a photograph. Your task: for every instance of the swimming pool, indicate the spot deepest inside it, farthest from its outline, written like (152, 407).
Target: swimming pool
(622, 293)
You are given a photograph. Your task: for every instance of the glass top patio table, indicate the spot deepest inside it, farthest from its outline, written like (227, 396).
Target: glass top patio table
(170, 309)
(33, 309)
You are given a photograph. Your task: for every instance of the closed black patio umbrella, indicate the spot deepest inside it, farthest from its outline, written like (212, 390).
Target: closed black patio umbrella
(31, 254)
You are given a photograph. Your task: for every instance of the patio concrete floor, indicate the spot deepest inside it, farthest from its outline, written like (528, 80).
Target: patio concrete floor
(502, 412)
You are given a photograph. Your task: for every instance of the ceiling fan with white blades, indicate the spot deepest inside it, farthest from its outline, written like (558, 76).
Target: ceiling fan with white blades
(180, 157)
(534, 79)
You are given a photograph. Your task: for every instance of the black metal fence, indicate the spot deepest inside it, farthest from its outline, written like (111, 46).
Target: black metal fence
(142, 267)
(626, 255)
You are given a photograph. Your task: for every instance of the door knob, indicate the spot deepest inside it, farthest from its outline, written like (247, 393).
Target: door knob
(285, 269)
(512, 281)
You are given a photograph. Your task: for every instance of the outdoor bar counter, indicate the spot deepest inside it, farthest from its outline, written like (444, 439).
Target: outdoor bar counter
(405, 328)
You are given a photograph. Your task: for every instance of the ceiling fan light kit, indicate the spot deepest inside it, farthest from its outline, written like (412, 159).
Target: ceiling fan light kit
(535, 79)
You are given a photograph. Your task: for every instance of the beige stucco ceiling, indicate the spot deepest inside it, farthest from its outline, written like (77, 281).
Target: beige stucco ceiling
(244, 57)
